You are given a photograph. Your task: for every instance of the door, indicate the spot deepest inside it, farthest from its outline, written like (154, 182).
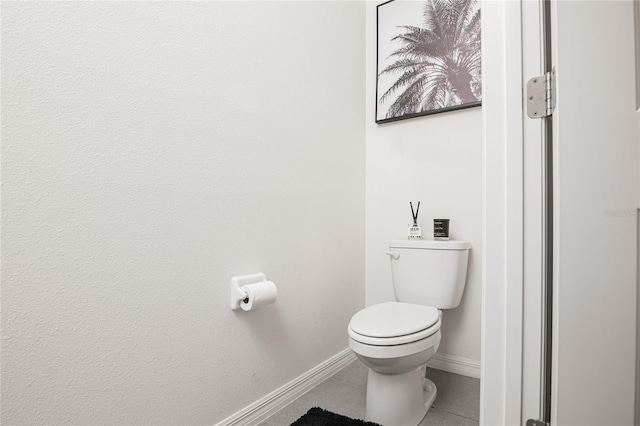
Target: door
(595, 201)
(596, 194)
(595, 204)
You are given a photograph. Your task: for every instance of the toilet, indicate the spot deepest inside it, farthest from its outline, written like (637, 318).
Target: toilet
(396, 339)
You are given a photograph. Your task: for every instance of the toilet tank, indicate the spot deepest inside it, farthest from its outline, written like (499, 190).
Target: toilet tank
(428, 272)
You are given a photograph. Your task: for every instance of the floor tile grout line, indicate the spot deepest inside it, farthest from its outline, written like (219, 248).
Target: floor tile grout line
(457, 414)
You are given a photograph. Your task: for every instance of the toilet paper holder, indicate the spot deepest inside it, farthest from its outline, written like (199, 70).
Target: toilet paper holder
(237, 295)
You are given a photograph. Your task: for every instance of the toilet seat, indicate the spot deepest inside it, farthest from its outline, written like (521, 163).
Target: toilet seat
(394, 323)
(393, 341)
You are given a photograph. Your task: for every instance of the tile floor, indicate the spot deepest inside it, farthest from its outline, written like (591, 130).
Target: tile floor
(457, 404)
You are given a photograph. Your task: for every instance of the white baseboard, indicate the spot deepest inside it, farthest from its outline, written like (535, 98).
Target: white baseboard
(455, 364)
(269, 404)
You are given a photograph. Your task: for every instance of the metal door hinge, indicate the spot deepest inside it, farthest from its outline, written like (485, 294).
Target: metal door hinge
(532, 422)
(541, 95)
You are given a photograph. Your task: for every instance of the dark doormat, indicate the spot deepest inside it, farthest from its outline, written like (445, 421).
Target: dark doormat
(319, 417)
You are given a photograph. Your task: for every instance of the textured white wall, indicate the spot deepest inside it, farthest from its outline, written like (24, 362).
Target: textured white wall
(438, 160)
(150, 152)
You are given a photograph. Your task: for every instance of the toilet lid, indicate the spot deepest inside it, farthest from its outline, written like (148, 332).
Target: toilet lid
(393, 319)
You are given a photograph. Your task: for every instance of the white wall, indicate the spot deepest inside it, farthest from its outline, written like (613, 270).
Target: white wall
(436, 159)
(150, 152)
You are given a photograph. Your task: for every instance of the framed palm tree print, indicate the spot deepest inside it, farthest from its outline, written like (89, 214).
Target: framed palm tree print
(429, 58)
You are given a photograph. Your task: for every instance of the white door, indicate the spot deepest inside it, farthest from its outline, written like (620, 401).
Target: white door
(596, 194)
(596, 191)
(596, 188)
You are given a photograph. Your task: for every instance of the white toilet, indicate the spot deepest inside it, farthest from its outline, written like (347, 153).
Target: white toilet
(396, 339)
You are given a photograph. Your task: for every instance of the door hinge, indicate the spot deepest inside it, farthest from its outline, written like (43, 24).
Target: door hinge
(541, 95)
(532, 422)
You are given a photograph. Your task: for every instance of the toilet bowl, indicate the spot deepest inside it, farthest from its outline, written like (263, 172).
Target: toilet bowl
(395, 340)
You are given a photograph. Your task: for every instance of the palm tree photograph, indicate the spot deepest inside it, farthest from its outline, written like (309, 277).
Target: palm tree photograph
(429, 58)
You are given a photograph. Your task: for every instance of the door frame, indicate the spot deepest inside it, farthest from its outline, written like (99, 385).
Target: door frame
(512, 257)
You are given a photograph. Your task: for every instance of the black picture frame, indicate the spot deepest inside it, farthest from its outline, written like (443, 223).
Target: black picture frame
(410, 35)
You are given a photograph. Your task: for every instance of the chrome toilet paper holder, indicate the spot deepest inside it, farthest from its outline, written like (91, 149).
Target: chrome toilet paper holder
(237, 295)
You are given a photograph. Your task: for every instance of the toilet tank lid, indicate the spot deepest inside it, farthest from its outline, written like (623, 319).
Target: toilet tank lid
(431, 244)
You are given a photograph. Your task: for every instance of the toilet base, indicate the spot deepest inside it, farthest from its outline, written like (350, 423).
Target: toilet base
(399, 399)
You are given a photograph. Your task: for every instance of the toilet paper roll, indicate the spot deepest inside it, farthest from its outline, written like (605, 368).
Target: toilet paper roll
(258, 295)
